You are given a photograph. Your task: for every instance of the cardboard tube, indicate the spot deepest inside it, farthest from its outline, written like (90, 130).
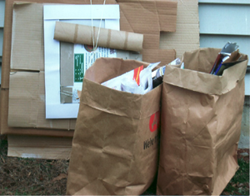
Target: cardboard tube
(108, 38)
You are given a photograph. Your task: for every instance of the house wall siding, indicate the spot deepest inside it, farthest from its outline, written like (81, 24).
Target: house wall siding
(228, 20)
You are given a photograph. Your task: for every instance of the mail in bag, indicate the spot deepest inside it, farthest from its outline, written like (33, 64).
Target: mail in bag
(201, 123)
(115, 144)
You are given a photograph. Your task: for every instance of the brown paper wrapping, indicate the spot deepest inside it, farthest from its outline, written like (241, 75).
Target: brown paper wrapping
(200, 125)
(108, 38)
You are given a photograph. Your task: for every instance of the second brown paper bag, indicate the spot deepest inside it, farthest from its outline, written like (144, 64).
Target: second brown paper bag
(201, 123)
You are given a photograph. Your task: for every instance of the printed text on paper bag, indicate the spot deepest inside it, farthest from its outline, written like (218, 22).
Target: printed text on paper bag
(153, 126)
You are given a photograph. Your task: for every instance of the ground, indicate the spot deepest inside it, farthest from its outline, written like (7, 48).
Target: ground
(20, 176)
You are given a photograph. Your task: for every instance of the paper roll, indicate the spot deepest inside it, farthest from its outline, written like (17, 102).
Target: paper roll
(82, 34)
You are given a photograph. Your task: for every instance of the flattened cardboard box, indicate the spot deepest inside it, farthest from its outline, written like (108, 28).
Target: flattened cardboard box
(22, 92)
(31, 37)
(187, 28)
(187, 21)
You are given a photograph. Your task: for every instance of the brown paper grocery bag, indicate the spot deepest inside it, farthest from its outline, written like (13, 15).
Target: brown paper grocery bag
(115, 144)
(200, 125)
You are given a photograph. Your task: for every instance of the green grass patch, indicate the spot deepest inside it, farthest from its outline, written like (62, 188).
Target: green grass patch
(239, 184)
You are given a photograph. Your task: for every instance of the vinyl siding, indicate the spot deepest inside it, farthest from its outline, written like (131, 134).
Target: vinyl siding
(226, 20)
(2, 8)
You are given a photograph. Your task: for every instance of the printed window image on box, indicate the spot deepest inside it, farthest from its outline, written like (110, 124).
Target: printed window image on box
(83, 57)
(79, 67)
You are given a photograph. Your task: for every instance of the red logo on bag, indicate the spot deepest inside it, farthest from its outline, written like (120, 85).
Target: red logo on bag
(154, 121)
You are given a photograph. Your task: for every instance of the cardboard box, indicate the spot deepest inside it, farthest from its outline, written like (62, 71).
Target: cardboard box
(27, 80)
(185, 38)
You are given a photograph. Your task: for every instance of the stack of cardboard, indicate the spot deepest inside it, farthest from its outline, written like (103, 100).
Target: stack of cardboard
(169, 29)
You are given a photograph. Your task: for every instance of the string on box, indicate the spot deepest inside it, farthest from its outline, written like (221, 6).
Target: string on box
(95, 43)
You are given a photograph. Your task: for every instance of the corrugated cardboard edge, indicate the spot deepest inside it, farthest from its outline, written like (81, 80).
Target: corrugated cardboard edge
(39, 147)
(27, 43)
(153, 55)
(187, 35)
(6, 45)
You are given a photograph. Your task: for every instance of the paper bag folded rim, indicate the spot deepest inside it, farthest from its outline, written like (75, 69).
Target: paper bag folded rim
(212, 84)
(123, 101)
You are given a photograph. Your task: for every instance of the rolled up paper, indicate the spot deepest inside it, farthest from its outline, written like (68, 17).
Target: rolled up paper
(82, 34)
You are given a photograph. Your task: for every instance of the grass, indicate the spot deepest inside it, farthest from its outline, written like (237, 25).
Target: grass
(239, 185)
(20, 176)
